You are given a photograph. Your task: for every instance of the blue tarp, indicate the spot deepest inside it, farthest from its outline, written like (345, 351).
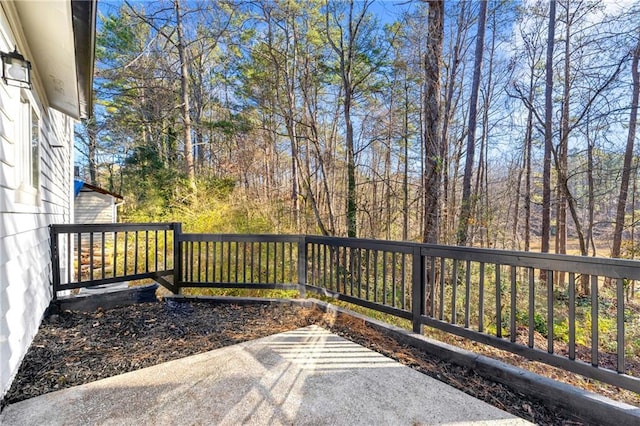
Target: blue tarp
(77, 186)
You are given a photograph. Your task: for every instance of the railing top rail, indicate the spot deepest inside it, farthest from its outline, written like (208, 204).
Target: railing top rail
(364, 243)
(602, 266)
(110, 227)
(255, 238)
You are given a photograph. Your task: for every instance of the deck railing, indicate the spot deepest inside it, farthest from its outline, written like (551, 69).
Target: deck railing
(98, 254)
(567, 311)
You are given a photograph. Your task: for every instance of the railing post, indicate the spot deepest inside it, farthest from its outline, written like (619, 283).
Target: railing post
(302, 265)
(55, 261)
(418, 289)
(177, 256)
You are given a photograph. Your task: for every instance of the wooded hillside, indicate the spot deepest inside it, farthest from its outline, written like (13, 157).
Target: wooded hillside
(500, 124)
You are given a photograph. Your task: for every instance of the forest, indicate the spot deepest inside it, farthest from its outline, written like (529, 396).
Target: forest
(501, 124)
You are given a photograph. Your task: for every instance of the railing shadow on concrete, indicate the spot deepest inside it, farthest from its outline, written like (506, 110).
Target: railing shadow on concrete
(566, 311)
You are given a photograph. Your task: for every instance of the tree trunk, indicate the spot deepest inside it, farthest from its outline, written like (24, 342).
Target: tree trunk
(527, 183)
(186, 111)
(628, 155)
(466, 207)
(563, 148)
(432, 142)
(447, 209)
(548, 135)
(405, 164)
(352, 206)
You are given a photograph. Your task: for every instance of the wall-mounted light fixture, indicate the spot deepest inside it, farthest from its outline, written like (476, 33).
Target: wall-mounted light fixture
(16, 70)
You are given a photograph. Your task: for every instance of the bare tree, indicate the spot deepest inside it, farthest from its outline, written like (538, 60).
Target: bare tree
(184, 89)
(467, 201)
(548, 133)
(628, 155)
(432, 141)
(348, 44)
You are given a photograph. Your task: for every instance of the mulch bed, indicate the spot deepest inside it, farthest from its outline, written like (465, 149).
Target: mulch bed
(73, 348)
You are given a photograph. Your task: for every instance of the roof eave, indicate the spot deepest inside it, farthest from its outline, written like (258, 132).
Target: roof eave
(84, 24)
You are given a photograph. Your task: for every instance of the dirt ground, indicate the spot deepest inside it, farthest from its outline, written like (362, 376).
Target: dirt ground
(73, 348)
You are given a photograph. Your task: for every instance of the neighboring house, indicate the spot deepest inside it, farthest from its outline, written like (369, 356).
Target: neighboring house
(94, 204)
(36, 148)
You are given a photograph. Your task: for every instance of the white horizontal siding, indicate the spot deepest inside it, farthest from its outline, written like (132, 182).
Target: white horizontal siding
(25, 266)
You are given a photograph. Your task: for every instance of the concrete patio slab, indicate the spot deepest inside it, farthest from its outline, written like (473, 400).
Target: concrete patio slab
(303, 377)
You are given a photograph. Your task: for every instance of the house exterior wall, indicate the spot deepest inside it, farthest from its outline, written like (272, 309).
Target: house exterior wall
(26, 210)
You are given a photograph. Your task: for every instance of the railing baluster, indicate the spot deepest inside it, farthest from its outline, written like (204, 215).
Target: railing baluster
(282, 261)
(314, 272)
(481, 298)
(135, 268)
(375, 276)
(393, 279)
(331, 268)
(345, 276)
(594, 320)
(337, 268)
(155, 257)
(359, 269)
(186, 265)
(620, 324)
(267, 261)
(454, 292)
(146, 251)
(572, 316)
(91, 256)
(432, 281)
(498, 301)
(384, 277)
(512, 325)
(367, 278)
(251, 260)
(324, 266)
(550, 311)
(260, 262)
(214, 262)
(532, 306)
(293, 247)
(229, 261)
(126, 252)
(402, 283)
(69, 256)
(236, 280)
(192, 264)
(318, 264)
(102, 250)
(165, 258)
(199, 261)
(244, 262)
(206, 262)
(275, 262)
(442, 282)
(467, 296)
(293, 273)
(351, 270)
(223, 263)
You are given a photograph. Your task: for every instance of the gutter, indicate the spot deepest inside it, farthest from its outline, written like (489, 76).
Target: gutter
(84, 14)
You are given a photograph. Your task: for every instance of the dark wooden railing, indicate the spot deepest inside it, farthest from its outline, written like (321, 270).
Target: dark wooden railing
(566, 311)
(239, 261)
(91, 255)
